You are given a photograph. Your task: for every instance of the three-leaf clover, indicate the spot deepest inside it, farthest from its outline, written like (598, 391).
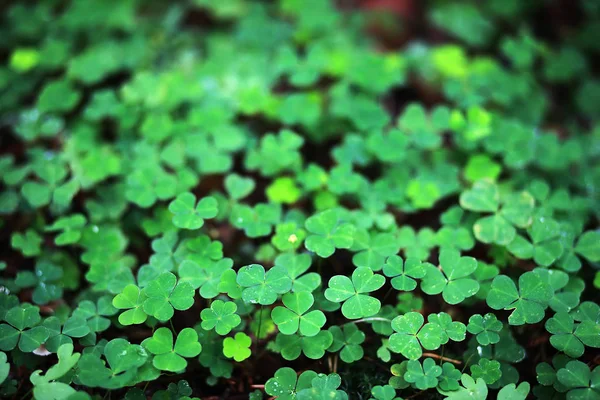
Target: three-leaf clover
(528, 301)
(260, 287)
(485, 327)
(187, 214)
(403, 274)
(295, 316)
(357, 304)
(74, 327)
(545, 247)
(45, 279)
(71, 228)
(237, 347)
(286, 384)
(132, 300)
(313, 347)
(328, 232)
(454, 330)
(169, 357)
(470, 389)
(165, 294)
(323, 387)
(488, 370)
(221, 316)
(206, 277)
(423, 376)
(498, 228)
(22, 328)
(372, 249)
(580, 382)
(452, 277)
(347, 339)
(514, 392)
(296, 266)
(571, 338)
(411, 336)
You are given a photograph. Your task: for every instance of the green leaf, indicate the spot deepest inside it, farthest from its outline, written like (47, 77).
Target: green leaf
(165, 294)
(482, 197)
(189, 215)
(285, 384)
(327, 232)
(403, 274)
(488, 370)
(423, 376)
(237, 347)
(294, 316)
(350, 292)
(452, 278)
(238, 187)
(131, 299)
(513, 392)
(412, 336)
(486, 328)
(260, 287)
(528, 302)
(348, 340)
(588, 245)
(471, 389)
(169, 357)
(221, 316)
(4, 367)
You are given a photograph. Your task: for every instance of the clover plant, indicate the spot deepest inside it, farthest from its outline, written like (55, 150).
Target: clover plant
(299, 200)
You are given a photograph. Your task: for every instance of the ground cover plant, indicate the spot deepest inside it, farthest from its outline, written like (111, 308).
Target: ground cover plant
(299, 199)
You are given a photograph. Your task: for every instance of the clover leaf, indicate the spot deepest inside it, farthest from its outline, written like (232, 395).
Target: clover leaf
(423, 376)
(403, 274)
(580, 382)
(470, 389)
(228, 284)
(587, 245)
(295, 316)
(286, 384)
(221, 316)
(324, 387)
(260, 287)
(452, 277)
(131, 299)
(347, 339)
(328, 232)
(59, 334)
(313, 347)
(238, 186)
(351, 292)
(454, 330)
(571, 338)
(372, 249)
(528, 301)
(237, 347)
(29, 243)
(207, 277)
(71, 228)
(296, 266)
(411, 336)
(514, 392)
(188, 214)
(488, 370)
(486, 328)
(288, 236)
(546, 245)
(46, 281)
(386, 392)
(169, 357)
(448, 380)
(95, 313)
(256, 221)
(498, 228)
(165, 294)
(22, 328)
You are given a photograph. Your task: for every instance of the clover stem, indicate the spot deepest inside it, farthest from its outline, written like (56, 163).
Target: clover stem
(387, 293)
(467, 362)
(370, 319)
(26, 396)
(172, 327)
(259, 324)
(441, 358)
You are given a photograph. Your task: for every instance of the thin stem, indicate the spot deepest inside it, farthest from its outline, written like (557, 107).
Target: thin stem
(27, 394)
(467, 362)
(260, 313)
(442, 358)
(172, 327)
(370, 319)
(387, 293)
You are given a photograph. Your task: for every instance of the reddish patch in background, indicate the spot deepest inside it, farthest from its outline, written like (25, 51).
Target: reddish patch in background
(402, 8)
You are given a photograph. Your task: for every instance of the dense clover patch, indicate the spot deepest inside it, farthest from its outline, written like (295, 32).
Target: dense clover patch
(299, 199)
